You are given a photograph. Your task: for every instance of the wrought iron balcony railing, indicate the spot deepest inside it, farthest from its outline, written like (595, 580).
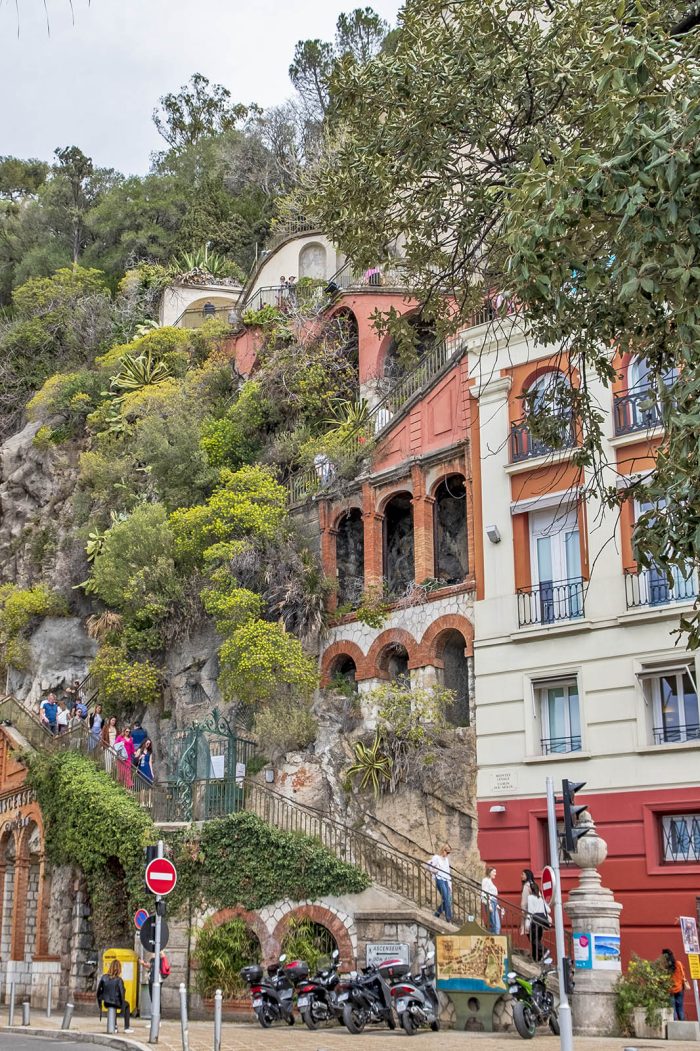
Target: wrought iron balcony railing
(550, 602)
(636, 411)
(676, 734)
(651, 587)
(557, 745)
(523, 446)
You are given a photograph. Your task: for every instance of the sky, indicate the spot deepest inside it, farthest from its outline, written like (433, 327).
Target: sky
(93, 79)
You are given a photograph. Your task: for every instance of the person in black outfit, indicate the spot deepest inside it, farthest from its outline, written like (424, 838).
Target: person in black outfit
(111, 993)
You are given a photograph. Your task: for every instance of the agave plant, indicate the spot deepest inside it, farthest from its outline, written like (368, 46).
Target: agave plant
(202, 259)
(372, 765)
(136, 372)
(349, 414)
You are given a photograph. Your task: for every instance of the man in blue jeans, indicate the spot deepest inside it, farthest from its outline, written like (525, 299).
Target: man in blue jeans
(439, 866)
(48, 711)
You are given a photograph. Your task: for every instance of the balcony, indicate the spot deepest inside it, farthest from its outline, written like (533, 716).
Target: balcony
(652, 588)
(523, 446)
(550, 602)
(676, 734)
(636, 411)
(560, 745)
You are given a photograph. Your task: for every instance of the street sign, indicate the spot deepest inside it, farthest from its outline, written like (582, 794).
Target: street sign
(147, 934)
(140, 918)
(549, 882)
(694, 965)
(689, 933)
(161, 876)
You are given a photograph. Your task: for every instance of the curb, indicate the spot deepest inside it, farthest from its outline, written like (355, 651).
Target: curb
(120, 1043)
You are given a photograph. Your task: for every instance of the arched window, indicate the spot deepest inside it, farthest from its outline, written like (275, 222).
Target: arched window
(350, 558)
(309, 941)
(547, 401)
(312, 261)
(399, 568)
(455, 675)
(393, 662)
(450, 520)
(349, 333)
(344, 672)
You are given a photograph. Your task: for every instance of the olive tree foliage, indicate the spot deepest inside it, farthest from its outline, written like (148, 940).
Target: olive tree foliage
(551, 158)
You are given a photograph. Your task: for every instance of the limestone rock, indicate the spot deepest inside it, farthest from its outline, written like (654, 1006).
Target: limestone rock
(61, 651)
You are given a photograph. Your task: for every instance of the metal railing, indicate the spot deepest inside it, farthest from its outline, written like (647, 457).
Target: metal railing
(287, 299)
(324, 473)
(636, 411)
(524, 447)
(290, 228)
(560, 745)
(676, 734)
(198, 314)
(387, 275)
(550, 602)
(651, 587)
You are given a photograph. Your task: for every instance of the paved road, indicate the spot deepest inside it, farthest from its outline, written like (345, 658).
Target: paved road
(36, 1043)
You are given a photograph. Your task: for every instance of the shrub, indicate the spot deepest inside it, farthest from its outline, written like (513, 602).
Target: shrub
(220, 953)
(259, 660)
(647, 984)
(286, 725)
(73, 393)
(124, 683)
(159, 343)
(19, 605)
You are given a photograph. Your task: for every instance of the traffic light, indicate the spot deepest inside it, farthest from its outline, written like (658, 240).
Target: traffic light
(571, 833)
(569, 969)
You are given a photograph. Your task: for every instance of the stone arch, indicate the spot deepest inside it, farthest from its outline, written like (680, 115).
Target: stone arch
(390, 637)
(328, 919)
(449, 649)
(350, 556)
(337, 650)
(312, 260)
(430, 645)
(269, 949)
(399, 543)
(450, 527)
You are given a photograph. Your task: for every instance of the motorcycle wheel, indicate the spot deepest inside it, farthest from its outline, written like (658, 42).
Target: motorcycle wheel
(390, 1022)
(353, 1020)
(435, 1026)
(308, 1019)
(408, 1025)
(524, 1020)
(263, 1017)
(554, 1023)
(290, 1019)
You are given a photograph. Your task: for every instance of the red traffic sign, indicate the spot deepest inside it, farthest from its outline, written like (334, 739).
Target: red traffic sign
(140, 917)
(161, 876)
(549, 882)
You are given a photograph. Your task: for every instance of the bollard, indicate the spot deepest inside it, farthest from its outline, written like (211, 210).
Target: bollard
(183, 1018)
(11, 1010)
(26, 1019)
(67, 1017)
(111, 1019)
(218, 998)
(49, 997)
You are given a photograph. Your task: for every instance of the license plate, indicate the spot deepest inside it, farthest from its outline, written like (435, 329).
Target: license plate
(513, 988)
(303, 1001)
(257, 1003)
(402, 1006)
(343, 996)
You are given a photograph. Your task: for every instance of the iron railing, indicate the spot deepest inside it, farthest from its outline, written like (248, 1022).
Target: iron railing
(324, 473)
(388, 275)
(288, 299)
(636, 411)
(194, 317)
(676, 734)
(651, 587)
(551, 601)
(523, 446)
(290, 228)
(557, 745)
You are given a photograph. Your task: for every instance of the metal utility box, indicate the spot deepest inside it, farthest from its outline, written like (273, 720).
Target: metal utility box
(130, 972)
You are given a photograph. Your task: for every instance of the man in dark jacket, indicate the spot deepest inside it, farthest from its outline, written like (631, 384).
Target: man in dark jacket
(111, 993)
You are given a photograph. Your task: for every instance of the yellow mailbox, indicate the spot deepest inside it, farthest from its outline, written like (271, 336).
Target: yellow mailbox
(130, 972)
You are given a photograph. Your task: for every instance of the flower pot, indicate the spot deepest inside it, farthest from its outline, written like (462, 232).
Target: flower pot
(643, 1031)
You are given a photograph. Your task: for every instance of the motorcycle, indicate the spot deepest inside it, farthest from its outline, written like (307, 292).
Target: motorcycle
(533, 1002)
(417, 1000)
(273, 997)
(317, 1001)
(366, 997)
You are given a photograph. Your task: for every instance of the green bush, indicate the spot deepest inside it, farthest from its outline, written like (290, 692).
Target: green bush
(73, 393)
(18, 607)
(259, 660)
(220, 953)
(646, 984)
(124, 683)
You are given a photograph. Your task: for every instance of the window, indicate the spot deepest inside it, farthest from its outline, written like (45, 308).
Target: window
(681, 837)
(672, 695)
(450, 521)
(560, 718)
(555, 557)
(651, 587)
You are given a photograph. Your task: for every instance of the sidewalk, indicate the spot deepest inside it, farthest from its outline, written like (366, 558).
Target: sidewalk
(299, 1038)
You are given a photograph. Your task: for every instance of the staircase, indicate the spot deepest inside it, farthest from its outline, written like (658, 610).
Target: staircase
(398, 870)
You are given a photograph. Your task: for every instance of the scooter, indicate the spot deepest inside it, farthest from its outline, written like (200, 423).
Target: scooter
(533, 1002)
(273, 997)
(416, 1000)
(366, 997)
(317, 1000)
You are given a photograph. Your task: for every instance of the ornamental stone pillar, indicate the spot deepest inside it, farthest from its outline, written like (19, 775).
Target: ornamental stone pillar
(595, 922)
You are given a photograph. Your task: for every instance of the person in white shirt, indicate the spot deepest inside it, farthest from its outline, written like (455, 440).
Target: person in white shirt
(439, 866)
(489, 896)
(62, 718)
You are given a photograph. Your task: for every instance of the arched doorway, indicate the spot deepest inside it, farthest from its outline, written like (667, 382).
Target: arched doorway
(399, 565)
(307, 939)
(455, 675)
(343, 672)
(350, 558)
(393, 662)
(450, 521)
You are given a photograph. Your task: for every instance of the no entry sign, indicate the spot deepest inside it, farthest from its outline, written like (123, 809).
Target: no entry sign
(549, 882)
(161, 876)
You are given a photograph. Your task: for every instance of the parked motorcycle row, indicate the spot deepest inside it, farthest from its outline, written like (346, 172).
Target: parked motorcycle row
(378, 994)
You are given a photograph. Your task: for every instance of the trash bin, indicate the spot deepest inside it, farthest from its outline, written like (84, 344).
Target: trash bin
(130, 972)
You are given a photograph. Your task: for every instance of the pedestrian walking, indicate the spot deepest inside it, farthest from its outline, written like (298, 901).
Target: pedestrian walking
(111, 993)
(109, 740)
(151, 965)
(124, 752)
(439, 867)
(679, 983)
(48, 711)
(95, 724)
(62, 717)
(143, 761)
(138, 734)
(538, 917)
(489, 896)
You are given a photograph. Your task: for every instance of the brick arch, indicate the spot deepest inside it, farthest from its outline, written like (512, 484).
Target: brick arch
(353, 505)
(330, 920)
(429, 649)
(253, 920)
(412, 310)
(404, 486)
(343, 648)
(391, 635)
(447, 472)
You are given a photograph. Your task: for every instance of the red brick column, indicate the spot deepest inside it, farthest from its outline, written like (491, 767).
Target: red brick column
(328, 550)
(19, 909)
(41, 944)
(374, 540)
(423, 533)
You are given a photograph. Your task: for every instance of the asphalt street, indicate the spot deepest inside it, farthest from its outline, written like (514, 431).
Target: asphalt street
(36, 1043)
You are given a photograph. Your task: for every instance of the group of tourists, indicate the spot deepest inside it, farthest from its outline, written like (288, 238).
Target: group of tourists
(64, 713)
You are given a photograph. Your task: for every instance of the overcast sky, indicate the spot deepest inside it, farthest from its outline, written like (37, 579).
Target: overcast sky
(93, 82)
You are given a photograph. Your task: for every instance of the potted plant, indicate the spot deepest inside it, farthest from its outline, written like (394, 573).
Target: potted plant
(642, 998)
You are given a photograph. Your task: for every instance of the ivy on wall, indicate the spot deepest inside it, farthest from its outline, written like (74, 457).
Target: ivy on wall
(91, 822)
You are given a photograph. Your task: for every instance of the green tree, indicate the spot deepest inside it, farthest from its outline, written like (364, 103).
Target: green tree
(360, 34)
(197, 110)
(76, 169)
(19, 178)
(310, 73)
(553, 160)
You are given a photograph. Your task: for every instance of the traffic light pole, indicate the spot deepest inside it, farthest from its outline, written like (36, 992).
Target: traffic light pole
(155, 999)
(566, 1032)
